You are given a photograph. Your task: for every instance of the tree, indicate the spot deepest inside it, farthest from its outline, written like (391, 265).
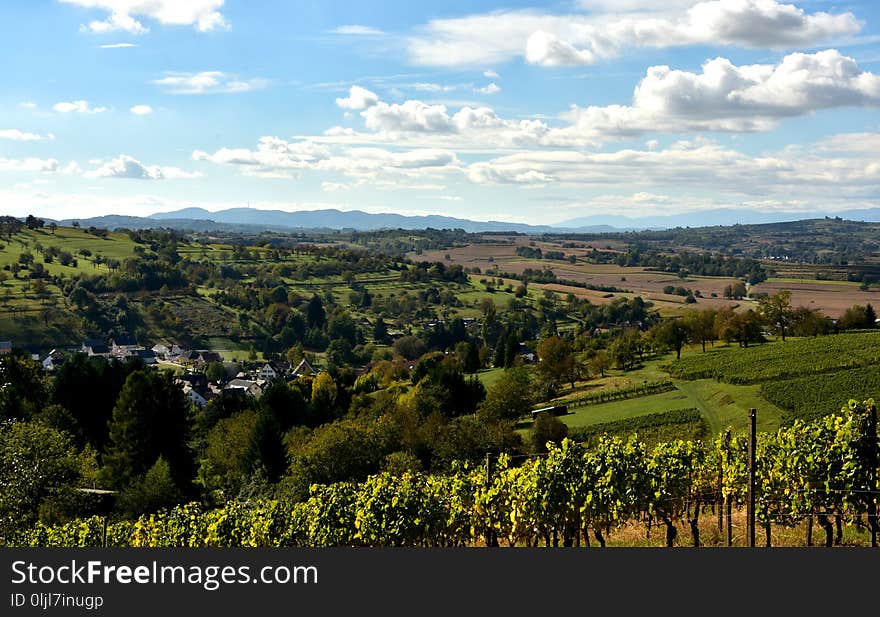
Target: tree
(744, 328)
(53, 226)
(777, 312)
(215, 371)
(23, 387)
(315, 315)
(599, 363)
(150, 419)
(555, 359)
(266, 450)
(672, 334)
(154, 491)
(380, 330)
(37, 463)
(806, 321)
(736, 291)
(410, 347)
(547, 428)
(701, 326)
(857, 317)
(468, 356)
(509, 398)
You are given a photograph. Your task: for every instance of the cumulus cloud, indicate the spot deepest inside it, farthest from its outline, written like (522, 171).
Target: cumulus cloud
(125, 166)
(80, 107)
(141, 110)
(726, 97)
(545, 49)
(490, 74)
(558, 40)
(17, 135)
(208, 82)
(358, 98)
(27, 105)
(491, 88)
(203, 15)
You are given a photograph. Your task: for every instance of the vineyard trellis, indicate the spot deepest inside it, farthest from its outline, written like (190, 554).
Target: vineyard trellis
(824, 471)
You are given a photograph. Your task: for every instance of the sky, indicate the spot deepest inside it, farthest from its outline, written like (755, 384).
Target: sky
(516, 111)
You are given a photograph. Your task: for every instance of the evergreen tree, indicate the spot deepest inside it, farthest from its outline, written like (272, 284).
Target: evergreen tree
(266, 451)
(315, 315)
(151, 419)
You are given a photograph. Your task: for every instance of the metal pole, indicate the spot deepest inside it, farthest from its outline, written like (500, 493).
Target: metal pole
(752, 444)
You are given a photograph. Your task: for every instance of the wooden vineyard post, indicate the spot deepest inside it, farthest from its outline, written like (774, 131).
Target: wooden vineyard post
(752, 461)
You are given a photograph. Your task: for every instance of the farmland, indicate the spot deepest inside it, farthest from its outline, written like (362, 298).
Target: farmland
(499, 254)
(808, 397)
(794, 358)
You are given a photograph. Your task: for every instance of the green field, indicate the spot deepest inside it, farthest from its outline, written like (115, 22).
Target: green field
(809, 397)
(791, 359)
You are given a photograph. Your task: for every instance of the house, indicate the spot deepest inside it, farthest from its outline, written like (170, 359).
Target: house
(5, 347)
(95, 347)
(196, 397)
(53, 361)
(194, 380)
(161, 350)
(273, 370)
(210, 356)
(304, 368)
(249, 387)
(147, 355)
(527, 354)
(123, 345)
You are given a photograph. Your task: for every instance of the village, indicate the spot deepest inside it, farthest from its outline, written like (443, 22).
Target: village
(189, 364)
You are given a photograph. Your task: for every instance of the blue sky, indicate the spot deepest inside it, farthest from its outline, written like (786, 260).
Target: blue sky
(517, 111)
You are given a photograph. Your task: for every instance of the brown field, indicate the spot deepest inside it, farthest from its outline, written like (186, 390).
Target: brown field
(831, 297)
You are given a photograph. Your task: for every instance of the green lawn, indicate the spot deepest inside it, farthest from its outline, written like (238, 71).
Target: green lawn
(618, 410)
(490, 376)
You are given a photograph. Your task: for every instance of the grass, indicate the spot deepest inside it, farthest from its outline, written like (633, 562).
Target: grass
(620, 410)
(489, 376)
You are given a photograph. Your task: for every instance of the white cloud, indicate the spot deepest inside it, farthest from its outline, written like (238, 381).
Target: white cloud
(141, 110)
(274, 157)
(117, 46)
(545, 49)
(726, 97)
(358, 98)
(492, 88)
(125, 166)
(333, 187)
(490, 74)
(208, 82)
(81, 107)
(432, 87)
(17, 135)
(203, 15)
(829, 172)
(117, 22)
(29, 164)
(357, 30)
(27, 105)
(556, 40)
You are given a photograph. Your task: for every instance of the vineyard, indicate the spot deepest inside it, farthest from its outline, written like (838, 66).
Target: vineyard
(651, 428)
(617, 394)
(824, 470)
(805, 397)
(779, 361)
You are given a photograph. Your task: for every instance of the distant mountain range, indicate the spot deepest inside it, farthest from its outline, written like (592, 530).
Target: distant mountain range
(249, 219)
